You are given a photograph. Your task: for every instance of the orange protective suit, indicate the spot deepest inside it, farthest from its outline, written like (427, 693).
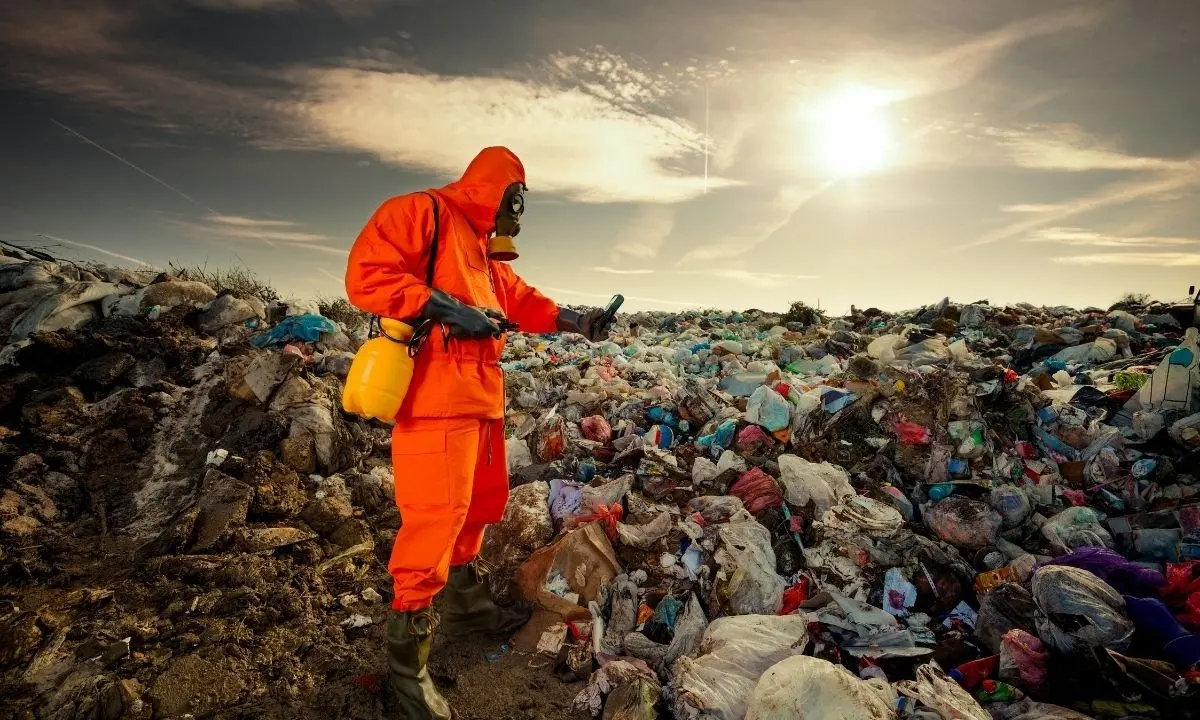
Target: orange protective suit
(448, 441)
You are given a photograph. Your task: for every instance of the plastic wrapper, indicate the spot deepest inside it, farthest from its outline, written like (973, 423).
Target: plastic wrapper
(1076, 527)
(863, 515)
(749, 564)
(822, 484)
(644, 536)
(1009, 607)
(689, 630)
(1023, 659)
(1079, 610)
(757, 491)
(964, 523)
(809, 688)
(596, 429)
(1011, 502)
(942, 695)
(1028, 709)
(768, 409)
(734, 653)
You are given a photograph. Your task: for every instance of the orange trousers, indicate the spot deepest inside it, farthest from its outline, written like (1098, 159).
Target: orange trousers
(451, 483)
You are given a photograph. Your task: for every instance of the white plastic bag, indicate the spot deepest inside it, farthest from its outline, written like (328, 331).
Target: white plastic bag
(941, 694)
(749, 562)
(1170, 386)
(734, 654)
(1061, 590)
(809, 688)
(884, 347)
(823, 484)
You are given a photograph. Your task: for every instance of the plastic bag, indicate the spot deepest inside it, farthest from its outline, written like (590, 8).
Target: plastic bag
(1011, 502)
(768, 409)
(1125, 576)
(1009, 607)
(610, 493)
(734, 653)
(704, 471)
(689, 630)
(942, 695)
(307, 328)
(1028, 709)
(860, 515)
(1079, 610)
(926, 352)
(1023, 659)
(749, 563)
(809, 688)
(964, 523)
(1076, 527)
(757, 490)
(518, 454)
(643, 536)
(715, 508)
(884, 348)
(596, 429)
(1170, 386)
(910, 433)
(823, 484)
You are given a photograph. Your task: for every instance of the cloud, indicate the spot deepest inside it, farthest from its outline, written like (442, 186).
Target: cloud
(1068, 147)
(270, 232)
(1030, 208)
(1158, 259)
(96, 248)
(1087, 238)
(747, 276)
(1157, 185)
(659, 301)
(646, 233)
(786, 202)
(571, 142)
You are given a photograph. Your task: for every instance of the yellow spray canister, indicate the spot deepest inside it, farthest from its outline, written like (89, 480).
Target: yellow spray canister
(380, 374)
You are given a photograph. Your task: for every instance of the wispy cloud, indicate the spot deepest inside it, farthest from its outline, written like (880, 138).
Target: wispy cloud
(96, 248)
(1159, 259)
(1088, 238)
(1157, 185)
(645, 234)
(1070, 148)
(747, 276)
(272, 232)
(571, 142)
(1030, 208)
(600, 296)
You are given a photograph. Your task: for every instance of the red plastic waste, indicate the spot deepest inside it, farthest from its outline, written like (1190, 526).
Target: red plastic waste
(910, 433)
(596, 429)
(757, 491)
(794, 597)
(608, 515)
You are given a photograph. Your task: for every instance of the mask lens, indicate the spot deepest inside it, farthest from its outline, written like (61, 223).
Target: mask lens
(517, 203)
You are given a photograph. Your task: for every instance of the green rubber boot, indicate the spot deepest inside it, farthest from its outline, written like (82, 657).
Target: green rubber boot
(467, 607)
(409, 638)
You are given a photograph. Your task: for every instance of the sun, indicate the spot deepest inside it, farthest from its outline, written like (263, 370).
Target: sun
(851, 133)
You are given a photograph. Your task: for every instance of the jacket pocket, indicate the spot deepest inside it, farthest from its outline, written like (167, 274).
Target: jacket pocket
(421, 467)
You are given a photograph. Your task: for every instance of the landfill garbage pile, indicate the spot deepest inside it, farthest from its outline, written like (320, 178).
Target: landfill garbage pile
(963, 511)
(189, 526)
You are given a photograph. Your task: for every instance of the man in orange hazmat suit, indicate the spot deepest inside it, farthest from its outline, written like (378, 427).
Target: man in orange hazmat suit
(448, 446)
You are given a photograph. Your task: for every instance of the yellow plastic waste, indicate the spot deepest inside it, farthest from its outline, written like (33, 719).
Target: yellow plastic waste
(380, 374)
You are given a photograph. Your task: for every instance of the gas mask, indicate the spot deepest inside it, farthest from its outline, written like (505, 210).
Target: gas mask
(508, 223)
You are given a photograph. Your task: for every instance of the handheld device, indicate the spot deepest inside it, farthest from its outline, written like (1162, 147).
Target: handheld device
(610, 312)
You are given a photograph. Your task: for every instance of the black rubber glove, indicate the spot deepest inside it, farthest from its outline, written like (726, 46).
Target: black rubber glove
(586, 324)
(465, 322)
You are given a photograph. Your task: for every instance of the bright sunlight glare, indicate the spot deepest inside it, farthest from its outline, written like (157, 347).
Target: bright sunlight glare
(851, 132)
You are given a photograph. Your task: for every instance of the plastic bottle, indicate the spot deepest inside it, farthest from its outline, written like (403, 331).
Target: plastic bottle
(970, 675)
(380, 374)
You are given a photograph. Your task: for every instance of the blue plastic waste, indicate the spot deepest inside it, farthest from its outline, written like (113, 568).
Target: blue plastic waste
(306, 328)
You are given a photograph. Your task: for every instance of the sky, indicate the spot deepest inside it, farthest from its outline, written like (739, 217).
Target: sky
(684, 153)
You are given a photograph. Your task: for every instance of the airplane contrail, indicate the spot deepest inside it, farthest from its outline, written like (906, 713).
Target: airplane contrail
(147, 173)
(330, 275)
(95, 248)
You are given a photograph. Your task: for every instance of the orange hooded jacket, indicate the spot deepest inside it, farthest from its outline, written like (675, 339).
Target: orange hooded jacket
(387, 272)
